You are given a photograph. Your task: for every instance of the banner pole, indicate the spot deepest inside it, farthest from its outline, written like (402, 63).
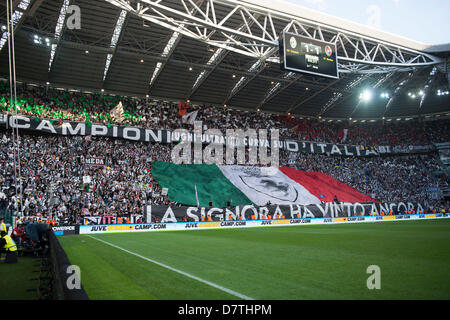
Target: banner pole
(196, 196)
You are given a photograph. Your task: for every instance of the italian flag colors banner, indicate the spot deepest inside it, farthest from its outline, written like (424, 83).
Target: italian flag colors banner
(245, 185)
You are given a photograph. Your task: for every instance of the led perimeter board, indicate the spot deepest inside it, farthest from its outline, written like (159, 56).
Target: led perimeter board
(302, 54)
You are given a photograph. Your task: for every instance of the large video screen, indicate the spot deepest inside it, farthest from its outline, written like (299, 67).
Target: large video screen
(302, 54)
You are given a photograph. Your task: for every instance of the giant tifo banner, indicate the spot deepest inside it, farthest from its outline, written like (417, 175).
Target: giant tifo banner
(167, 226)
(222, 186)
(68, 128)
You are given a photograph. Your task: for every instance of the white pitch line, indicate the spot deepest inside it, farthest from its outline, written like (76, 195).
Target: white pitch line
(234, 293)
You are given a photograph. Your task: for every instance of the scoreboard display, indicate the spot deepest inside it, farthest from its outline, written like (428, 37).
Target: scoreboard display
(302, 54)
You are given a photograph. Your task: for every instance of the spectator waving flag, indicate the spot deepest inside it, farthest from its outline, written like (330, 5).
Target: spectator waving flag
(343, 135)
(182, 108)
(190, 117)
(117, 112)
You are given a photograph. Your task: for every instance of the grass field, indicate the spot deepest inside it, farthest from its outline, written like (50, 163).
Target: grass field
(304, 262)
(20, 279)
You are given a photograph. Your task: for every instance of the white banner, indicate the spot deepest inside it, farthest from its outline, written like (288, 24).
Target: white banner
(86, 179)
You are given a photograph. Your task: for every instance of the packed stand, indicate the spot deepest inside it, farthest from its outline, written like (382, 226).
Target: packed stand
(389, 179)
(53, 170)
(52, 103)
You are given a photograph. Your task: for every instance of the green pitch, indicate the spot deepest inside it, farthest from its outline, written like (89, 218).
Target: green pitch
(19, 281)
(304, 262)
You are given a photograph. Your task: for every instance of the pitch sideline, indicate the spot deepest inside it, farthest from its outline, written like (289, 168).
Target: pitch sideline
(229, 291)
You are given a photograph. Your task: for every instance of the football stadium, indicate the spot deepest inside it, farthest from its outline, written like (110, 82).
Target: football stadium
(219, 150)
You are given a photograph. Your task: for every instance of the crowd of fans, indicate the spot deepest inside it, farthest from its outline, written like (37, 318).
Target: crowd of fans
(54, 169)
(413, 178)
(53, 103)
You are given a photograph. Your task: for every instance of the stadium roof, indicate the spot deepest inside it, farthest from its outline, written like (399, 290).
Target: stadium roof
(178, 50)
(326, 19)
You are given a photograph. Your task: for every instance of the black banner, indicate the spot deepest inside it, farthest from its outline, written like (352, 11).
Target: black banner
(331, 209)
(66, 230)
(93, 161)
(68, 128)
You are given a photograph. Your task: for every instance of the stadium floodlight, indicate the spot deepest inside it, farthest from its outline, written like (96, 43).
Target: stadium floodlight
(366, 95)
(38, 39)
(421, 93)
(413, 96)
